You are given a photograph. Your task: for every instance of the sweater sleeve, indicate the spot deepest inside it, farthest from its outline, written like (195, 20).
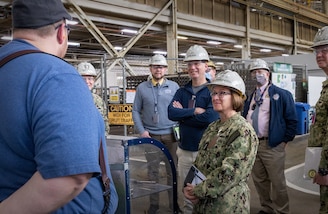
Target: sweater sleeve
(136, 112)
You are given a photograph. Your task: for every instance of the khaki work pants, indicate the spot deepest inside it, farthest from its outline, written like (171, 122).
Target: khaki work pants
(269, 178)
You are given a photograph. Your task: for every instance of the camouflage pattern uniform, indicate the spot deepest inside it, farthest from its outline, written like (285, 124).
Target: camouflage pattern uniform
(227, 152)
(101, 107)
(319, 138)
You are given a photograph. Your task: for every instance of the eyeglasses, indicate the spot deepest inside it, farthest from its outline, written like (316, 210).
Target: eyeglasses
(210, 69)
(66, 26)
(195, 63)
(158, 67)
(220, 93)
(89, 78)
(323, 50)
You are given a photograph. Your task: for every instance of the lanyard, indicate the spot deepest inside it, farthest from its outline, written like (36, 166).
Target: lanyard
(158, 86)
(259, 99)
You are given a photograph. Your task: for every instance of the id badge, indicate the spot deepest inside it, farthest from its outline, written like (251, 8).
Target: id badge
(156, 118)
(192, 102)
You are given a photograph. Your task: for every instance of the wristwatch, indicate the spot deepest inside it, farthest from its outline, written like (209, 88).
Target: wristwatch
(323, 172)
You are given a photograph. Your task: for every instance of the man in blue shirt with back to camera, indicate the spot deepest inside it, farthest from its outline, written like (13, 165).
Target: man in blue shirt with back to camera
(50, 130)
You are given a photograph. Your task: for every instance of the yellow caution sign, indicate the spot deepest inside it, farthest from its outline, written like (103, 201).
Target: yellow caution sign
(120, 114)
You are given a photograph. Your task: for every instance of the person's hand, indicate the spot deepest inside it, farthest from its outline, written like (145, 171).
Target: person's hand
(145, 134)
(199, 110)
(177, 104)
(188, 192)
(321, 180)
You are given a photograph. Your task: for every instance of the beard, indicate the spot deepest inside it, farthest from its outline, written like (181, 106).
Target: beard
(157, 77)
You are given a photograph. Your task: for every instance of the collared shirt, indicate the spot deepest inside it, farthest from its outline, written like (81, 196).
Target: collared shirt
(264, 112)
(159, 82)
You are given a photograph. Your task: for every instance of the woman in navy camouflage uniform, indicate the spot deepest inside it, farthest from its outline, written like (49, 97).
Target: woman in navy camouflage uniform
(227, 152)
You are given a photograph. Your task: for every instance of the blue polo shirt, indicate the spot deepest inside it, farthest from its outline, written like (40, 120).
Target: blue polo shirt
(49, 124)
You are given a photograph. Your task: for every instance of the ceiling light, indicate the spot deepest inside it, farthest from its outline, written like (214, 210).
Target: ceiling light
(118, 48)
(160, 52)
(129, 31)
(253, 9)
(265, 50)
(284, 54)
(75, 44)
(213, 42)
(182, 54)
(8, 38)
(71, 22)
(182, 37)
(219, 63)
(238, 46)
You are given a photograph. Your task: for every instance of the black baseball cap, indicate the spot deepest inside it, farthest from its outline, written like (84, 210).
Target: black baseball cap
(37, 13)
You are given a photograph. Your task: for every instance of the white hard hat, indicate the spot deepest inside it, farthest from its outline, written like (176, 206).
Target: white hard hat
(259, 64)
(158, 60)
(86, 69)
(196, 53)
(321, 37)
(229, 79)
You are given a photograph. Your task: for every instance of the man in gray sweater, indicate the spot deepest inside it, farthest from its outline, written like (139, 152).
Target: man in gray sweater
(150, 119)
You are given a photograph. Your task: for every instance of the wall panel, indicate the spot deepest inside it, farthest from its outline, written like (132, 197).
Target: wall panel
(254, 19)
(207, 9)
(221, 12)
(240, 17)
(198, 8)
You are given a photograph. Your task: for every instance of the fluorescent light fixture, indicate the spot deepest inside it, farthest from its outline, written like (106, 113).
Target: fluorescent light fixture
(267, 46)
(238, 46)
(160, 52)
(71, 22)
(253, 9)
(118, 48)
(8, 38)
(129, 31)
(284, 54)
(182, 54)
(265, 50)
(219, 63)
(182, 37)
(75, 44)
(213, 42)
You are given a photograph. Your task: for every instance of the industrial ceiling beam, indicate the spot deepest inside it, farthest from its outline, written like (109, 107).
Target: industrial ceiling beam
(172, 40)
(188, 21)
(291, 10)
(299, 10)
(143, 29)
(97, 34)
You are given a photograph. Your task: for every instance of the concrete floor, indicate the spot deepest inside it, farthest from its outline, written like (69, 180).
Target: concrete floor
(300, 202)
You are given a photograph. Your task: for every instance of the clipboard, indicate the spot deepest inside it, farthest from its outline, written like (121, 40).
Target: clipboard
(194, 176)
(312, 160)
